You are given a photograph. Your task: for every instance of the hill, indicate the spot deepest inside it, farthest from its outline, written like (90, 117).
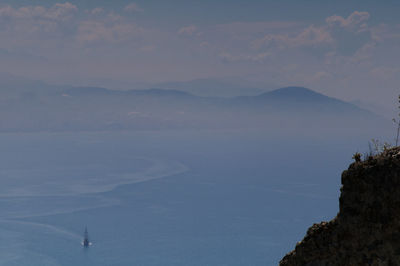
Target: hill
(300, 99)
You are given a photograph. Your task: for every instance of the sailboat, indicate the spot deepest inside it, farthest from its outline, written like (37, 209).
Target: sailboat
(86, 242)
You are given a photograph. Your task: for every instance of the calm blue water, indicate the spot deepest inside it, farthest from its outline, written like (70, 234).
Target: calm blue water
(171, 198)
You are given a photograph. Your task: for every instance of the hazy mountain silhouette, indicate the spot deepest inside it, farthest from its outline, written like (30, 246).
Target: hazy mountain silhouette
(61, 108)
(300, 99)
(216, 87)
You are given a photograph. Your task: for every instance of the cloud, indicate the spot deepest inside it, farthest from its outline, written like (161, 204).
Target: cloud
(321, 76)
(256, 26)
(96, 11)
(133, 7)
(385, 32)
(98, 31)
(343, 36)
(36, 26)
(188, 30)
(62, 11)
(257, 58)
(355, 21)
(59, 27)
(365, 52)
(385, 73)
(58, 12)
(310, 36)
(247, 29)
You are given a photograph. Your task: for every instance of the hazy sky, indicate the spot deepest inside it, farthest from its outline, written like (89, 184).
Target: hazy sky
(346, 49)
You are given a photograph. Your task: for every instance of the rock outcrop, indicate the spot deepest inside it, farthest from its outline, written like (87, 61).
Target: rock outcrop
(366, 230)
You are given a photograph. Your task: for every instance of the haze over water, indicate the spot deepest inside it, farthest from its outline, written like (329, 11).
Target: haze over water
(164, 198)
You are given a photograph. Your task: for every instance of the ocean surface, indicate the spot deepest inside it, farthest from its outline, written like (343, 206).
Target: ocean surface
(164, 198)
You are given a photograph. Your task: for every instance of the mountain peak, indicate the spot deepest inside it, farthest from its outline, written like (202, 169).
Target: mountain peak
(293, 92)
(300, 98)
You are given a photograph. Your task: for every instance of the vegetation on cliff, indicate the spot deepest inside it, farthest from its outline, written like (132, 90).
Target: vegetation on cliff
(366, 230)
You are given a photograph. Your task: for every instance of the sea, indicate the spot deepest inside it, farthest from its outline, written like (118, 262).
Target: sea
(165, 197)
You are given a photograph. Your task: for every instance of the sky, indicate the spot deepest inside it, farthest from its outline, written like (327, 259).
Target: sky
(345, 49)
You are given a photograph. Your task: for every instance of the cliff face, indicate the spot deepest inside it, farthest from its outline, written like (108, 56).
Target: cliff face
(366, 230)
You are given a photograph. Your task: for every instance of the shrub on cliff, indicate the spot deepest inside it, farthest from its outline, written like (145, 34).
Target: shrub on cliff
(397, 122)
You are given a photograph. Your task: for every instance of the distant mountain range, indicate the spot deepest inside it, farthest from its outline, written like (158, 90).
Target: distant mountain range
(217, 87)
(66, 108)
(205, 87)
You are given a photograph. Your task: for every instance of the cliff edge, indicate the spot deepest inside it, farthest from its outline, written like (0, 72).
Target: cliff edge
(366, 230)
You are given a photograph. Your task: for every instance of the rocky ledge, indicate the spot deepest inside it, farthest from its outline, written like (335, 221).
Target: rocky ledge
(366, 230)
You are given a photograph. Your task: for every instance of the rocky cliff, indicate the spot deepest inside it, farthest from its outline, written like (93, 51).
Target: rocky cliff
(366, 230)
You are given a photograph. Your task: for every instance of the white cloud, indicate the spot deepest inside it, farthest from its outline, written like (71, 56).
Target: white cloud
(36, 27)
(99, 31)
(58, 12)
(364, 56)
(97, 11)
(310, 36)
(355, 21)
(257, 26)
(385, 73)
(188, 30)
(321, 76)
(133, 7)
(62, 11)
(385, 32)
(257, 58)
